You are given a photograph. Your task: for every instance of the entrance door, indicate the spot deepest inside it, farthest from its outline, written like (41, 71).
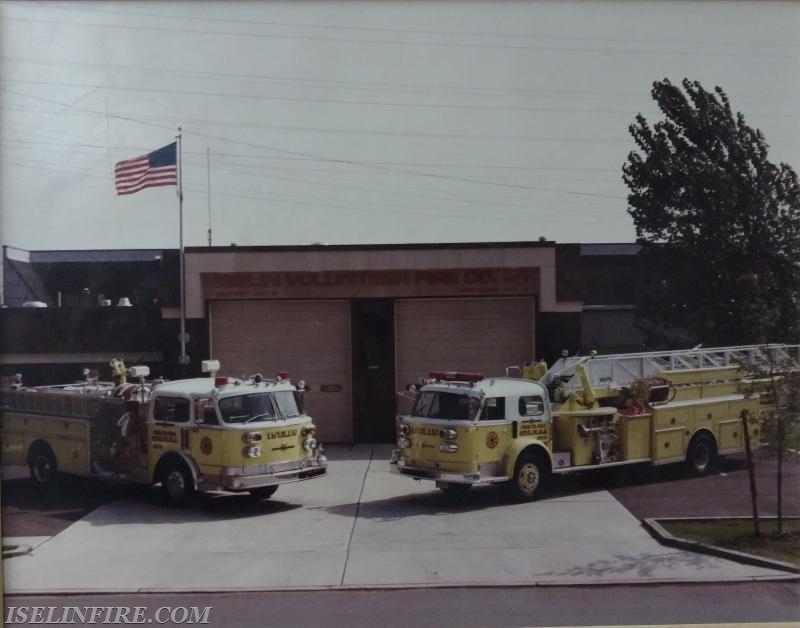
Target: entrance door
(373, 370)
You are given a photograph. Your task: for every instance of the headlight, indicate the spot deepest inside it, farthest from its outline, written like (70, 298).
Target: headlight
(251, 438)
(253, 451)
(402, 430)
(403, 442)
(309, 429)
(448, 434)
(448, 448)
(310, 443)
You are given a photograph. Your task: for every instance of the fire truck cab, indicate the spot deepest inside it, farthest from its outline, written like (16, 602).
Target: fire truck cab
(466, 429)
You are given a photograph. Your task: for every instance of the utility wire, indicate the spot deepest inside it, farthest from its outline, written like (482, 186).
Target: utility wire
(504, 35)
(357, 85)
(303, 154)
(397, 42)
(308, 159)
(373, 103)
(294, 202)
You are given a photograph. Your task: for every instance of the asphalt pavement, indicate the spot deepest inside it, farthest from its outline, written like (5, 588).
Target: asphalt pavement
(363, 527)
(756, 605)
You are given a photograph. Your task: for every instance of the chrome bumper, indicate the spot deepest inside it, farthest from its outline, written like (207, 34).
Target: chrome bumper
(399, 468)
(234, 479)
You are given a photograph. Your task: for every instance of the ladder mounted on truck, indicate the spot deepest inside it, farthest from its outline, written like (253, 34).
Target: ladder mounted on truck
(616, 371)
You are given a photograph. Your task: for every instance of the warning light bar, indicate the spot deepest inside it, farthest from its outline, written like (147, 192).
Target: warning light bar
(456, 376)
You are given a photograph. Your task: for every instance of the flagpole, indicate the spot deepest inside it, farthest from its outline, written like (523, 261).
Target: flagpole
(183, 360)
(208, 175)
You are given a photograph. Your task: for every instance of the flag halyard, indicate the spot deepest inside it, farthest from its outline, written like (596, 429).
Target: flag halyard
(146, 171)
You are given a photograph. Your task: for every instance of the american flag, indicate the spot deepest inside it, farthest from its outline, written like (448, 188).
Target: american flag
(148, 171)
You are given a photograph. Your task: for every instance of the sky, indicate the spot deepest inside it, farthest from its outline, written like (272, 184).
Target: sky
(361, 122)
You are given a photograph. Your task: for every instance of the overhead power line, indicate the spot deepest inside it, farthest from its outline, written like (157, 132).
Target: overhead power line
(330, 159)
(397, 42)
(350, 27)
(357, 85)
(487, 215)
(373, 103)
(319, 159)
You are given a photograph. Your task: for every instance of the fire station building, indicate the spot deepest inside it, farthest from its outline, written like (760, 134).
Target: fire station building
(359, 323)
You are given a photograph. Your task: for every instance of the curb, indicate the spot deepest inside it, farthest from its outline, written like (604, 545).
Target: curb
(17, 550)
(335, 588)
(665, 538)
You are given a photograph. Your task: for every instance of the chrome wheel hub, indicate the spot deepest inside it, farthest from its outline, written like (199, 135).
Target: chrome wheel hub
(529, 478)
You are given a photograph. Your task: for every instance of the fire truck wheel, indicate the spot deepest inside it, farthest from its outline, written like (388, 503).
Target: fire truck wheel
(176, 484)
(702, 454)
(263, 492)
(529, 477)
(42, 465)
(455, 490)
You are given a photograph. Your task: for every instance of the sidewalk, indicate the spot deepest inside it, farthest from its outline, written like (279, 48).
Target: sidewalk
(358, 527)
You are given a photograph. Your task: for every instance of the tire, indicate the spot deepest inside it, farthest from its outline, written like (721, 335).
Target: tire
(42, 465)
(701, 455)
(455, 490)
(263, 492)
(530, 475)
(177, 484)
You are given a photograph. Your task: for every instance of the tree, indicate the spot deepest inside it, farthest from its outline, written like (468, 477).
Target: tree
(719, 221)
(775, 377)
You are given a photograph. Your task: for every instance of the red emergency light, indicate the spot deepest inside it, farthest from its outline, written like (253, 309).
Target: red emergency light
(221, 381)
(283, 375)
(456, 376)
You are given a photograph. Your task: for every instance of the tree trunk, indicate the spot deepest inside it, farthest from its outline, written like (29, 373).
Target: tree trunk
(781, 444)
(745, 416)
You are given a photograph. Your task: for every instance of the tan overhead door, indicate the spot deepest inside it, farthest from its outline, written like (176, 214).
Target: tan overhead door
(484, 335)
(309, 339)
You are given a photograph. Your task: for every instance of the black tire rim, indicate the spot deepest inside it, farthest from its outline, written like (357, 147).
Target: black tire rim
(701, 456)
(175, 485)
(42, 469)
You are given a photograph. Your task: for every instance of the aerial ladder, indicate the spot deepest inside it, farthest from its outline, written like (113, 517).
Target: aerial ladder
(702, 370)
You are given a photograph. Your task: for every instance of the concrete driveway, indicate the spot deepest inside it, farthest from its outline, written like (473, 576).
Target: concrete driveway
(358, 527)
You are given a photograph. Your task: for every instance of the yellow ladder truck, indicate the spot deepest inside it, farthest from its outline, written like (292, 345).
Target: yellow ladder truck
(187, 435)
(581, 414)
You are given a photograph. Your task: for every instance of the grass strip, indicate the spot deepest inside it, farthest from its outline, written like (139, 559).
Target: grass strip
(737, 534)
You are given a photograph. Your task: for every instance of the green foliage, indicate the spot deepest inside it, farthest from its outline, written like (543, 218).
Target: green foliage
(774, 375)
(776, 380)
(720, 222)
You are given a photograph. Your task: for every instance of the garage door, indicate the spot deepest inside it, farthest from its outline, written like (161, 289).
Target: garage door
(484, 335)
(309, 339)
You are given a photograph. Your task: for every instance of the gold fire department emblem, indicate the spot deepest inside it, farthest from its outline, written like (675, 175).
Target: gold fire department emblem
(206, 446)
(492, 439)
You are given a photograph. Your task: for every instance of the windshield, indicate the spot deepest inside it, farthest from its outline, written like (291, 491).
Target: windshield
(287, 404)
(445, 405)
(247, 408)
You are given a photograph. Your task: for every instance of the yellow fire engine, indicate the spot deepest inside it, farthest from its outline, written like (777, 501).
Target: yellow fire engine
(186, 435)
(583, 413)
